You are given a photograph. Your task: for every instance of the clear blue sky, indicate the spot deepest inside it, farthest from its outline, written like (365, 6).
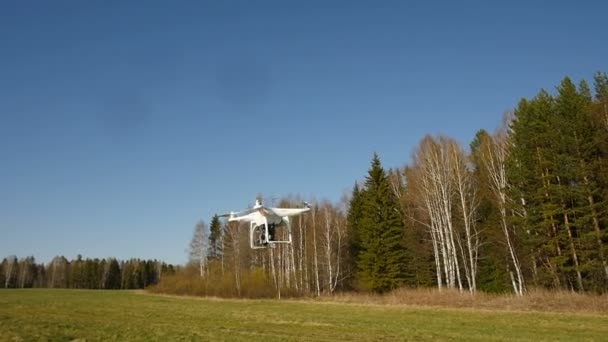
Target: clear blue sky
(122, 123)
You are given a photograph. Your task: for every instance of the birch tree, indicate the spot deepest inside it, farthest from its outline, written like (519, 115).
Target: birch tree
(232, 246)
(468, 201)
(494, 152)
(313, 216)
(199, 247)
(333, 240)
(433, 162)
(9, 270)
(26, 274)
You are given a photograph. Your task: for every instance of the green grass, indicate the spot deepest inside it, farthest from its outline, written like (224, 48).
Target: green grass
(66, 315)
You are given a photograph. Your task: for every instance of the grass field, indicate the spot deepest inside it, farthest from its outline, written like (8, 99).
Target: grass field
(68, 315)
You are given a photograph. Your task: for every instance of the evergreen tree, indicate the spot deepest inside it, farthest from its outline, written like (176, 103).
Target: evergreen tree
(555, 170)
(421, 262)
(599, 169)
(382, 258)
(601, 86)
(529, 170)
(150, 271)
(89, 273)
(215, 236)
(126, 275)
(571, 154)
(2, 275)
(77, 280)
(353, 220)
(113, 281)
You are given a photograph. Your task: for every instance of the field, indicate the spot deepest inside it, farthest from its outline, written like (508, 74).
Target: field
(69, 315)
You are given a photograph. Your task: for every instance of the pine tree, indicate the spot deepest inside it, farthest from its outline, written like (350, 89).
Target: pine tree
(2, 274)
(215, 236)
(421, 262)
(353, 220)
(580, 166)
(599, 169)
(382, 258)
(77, 276)
(529, 172)
(601, 86)
(571, 154)
(556, 172)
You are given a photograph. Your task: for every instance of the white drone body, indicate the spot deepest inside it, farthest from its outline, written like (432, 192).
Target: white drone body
(263, 222)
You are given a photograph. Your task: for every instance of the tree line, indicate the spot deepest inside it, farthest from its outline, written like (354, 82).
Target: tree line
(523, 207)
(82, 273)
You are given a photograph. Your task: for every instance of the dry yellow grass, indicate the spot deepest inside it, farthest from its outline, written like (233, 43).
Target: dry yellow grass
(534, 300)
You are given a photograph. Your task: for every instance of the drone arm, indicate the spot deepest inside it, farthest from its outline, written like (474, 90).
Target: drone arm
(236, 217)
(290, 211)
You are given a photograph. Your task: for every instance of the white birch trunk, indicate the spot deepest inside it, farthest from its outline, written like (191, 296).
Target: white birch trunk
(315, 254)
(468, 204)
(11, 261)
(328, 254)
(494, 156)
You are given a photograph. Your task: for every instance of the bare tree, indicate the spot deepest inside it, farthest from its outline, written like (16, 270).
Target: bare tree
(273, 272)
(313, 215)
(467, 196)
(25, 271)
(292, 265)
(199, 247)
(434, 170)
(11, 262)
(234, 246)
(494, 152)
(303, 256)
(333, 231)
(59, 272)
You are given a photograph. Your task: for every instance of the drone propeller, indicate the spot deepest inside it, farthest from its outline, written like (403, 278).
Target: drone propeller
(234, 214)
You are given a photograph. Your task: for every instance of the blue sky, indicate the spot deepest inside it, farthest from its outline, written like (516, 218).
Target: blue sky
(122, 123)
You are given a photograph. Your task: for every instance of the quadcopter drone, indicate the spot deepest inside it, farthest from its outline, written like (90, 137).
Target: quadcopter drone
(263, 223)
